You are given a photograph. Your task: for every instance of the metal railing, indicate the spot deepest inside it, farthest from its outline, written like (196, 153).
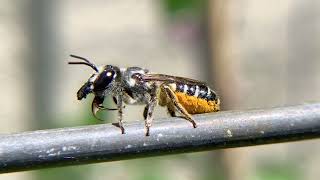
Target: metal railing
(102, 143)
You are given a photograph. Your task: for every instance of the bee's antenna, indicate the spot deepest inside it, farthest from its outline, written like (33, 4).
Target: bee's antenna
(87, 62)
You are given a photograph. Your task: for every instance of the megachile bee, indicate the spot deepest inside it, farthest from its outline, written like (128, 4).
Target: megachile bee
(135, 85)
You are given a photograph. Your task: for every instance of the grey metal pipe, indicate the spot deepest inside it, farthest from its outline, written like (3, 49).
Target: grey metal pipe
(102, 143)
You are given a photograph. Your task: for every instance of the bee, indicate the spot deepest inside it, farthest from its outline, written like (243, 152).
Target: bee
(135, 85)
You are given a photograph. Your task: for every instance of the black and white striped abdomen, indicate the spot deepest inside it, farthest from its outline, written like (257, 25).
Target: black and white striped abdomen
(199, 91)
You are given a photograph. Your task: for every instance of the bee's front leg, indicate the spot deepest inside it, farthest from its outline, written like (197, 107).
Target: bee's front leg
(120, 112)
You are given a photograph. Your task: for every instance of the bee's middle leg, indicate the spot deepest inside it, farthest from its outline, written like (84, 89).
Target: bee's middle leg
(148, 112)
(177, 105)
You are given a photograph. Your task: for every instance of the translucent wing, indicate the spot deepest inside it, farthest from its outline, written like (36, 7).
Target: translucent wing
(169, 79)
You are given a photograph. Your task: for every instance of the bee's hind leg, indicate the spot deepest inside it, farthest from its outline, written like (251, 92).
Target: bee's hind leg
(171, 109)
(177, 105)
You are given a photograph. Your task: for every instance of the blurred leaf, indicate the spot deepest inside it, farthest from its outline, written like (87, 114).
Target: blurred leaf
(278, 172)
(191, 6)
(65, 173)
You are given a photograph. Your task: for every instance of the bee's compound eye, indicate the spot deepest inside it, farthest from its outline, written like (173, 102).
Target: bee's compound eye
(103, 80)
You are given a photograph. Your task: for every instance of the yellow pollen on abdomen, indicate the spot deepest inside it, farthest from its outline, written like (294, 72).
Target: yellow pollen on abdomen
(195, 105)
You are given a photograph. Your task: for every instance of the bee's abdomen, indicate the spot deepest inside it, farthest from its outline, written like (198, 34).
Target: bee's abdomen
(196, 99)
(198, 91)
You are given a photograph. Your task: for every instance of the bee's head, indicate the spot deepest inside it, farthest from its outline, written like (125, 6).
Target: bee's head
(101, 81)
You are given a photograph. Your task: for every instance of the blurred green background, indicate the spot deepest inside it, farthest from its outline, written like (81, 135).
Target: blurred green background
(255, 54)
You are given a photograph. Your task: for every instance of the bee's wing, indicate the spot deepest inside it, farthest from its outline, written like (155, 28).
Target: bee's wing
(170, 79)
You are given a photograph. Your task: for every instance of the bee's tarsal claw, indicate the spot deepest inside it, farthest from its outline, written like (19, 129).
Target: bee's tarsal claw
(94, 109)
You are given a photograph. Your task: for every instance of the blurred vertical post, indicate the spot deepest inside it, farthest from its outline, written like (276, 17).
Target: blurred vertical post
(42, 33)
(44, 50)
(224, 69)
(223, 66)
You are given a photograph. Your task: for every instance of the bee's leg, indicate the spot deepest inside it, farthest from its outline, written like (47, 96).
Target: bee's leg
(171, 109)
(101, 107)
(164, 100)
(178, 106)
(115, 100)
(148, 111)
(97, 106)
(120, 112)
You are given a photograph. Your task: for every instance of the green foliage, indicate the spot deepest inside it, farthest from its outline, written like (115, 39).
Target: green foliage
(65, 173)
(194, 7)
(278, 171)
